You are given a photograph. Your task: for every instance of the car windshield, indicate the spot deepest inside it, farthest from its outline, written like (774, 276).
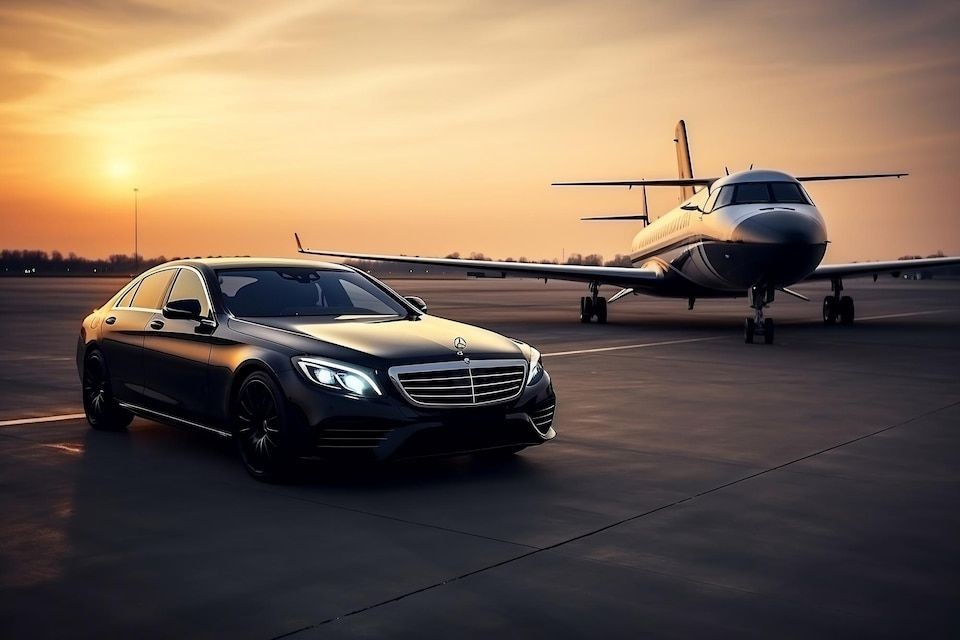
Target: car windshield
(301, 291)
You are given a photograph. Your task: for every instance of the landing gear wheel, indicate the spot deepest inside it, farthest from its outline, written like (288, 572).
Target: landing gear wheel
(768, 331)
(749, 328)
(846, 310)
(600, 310)
(260, 429)
(829, 310)
(586, 309)
(102, 411)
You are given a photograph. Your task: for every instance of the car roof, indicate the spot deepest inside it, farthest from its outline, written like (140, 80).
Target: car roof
(248, 262)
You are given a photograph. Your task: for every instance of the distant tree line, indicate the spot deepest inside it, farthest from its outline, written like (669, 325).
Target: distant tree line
(927, 274)
(35, 262)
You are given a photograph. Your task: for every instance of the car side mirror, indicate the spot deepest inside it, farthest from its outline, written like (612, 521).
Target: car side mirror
(417, 302)
(692, 207)
(182, 310)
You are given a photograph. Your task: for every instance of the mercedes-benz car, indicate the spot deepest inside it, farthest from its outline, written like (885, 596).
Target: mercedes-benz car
(295, 359)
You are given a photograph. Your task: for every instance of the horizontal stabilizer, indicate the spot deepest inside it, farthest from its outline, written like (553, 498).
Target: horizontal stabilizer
(632, 216)
(862, 176)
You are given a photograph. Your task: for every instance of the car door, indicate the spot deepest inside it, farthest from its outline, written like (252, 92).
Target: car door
(176, 352)
(123, 330)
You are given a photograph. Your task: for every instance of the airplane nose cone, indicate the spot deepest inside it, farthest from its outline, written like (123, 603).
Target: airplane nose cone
(780, 227)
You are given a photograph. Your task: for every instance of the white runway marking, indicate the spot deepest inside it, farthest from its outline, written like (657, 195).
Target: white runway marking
(642, 345)
(66, 416)
(901, 315)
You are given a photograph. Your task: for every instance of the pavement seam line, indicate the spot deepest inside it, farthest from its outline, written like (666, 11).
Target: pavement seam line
(57, 418)
(642, 345)
(618, 523)
(406, 521)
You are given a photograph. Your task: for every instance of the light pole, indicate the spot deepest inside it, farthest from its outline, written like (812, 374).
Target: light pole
(136, 256)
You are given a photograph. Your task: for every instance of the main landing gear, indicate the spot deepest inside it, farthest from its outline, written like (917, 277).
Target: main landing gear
(593, 306)
(837, 307)
(760, 297)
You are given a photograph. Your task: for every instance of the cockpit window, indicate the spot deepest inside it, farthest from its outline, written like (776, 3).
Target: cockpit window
(787, 192)
(752, 192)
(724, 197)
(758, 193)
(297, 291)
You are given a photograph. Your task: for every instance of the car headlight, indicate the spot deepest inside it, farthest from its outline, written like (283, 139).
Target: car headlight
(335, 375)
(536, 367)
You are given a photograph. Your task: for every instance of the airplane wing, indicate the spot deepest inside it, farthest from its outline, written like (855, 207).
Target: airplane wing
(861, 176)
(854, 269)
(702, 182)
(625, 277)
(671, 182)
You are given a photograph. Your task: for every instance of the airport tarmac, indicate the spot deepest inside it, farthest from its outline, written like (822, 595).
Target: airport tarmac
(698, 487)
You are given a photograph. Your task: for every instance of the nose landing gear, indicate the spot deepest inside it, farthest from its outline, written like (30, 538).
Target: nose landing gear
(760, 297)
(837, 307)
(593, 306)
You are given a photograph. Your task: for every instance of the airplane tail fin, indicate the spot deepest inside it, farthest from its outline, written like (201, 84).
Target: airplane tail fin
(684, 164)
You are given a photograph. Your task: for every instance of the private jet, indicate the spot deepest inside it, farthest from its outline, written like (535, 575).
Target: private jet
(747, 234)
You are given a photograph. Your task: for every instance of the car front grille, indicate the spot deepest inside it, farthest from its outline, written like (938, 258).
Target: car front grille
(458, 384)
(543, 417)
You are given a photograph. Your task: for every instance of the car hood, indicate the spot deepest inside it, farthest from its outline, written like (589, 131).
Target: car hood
(393, 340)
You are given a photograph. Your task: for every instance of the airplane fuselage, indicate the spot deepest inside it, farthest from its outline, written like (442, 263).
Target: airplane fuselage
(729, 238)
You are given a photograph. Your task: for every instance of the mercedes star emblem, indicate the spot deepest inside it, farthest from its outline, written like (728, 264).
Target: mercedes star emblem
(459, 343)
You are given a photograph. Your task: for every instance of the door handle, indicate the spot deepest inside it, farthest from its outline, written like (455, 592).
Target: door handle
(156, 324)
(111, 320)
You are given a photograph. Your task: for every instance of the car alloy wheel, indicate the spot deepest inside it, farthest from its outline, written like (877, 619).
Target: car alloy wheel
(259, 429)
(98, 404)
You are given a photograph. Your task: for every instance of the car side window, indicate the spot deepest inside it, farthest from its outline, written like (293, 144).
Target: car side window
(187, 286)
(151, 290)
(128, 296)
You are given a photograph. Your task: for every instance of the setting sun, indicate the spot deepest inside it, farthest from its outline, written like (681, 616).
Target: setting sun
(119, 169)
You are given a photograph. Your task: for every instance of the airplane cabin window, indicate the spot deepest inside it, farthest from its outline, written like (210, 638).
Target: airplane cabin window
(752, 193)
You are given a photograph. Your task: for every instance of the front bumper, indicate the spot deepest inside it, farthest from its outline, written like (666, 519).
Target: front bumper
(390, 428)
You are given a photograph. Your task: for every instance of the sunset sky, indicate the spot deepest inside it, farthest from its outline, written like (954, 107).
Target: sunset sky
(432, 127)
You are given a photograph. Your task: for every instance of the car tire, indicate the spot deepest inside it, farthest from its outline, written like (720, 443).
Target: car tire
(101, 409)
(261, 429)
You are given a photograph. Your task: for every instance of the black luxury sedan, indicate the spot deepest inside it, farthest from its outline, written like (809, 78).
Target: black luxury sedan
(295, 359)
